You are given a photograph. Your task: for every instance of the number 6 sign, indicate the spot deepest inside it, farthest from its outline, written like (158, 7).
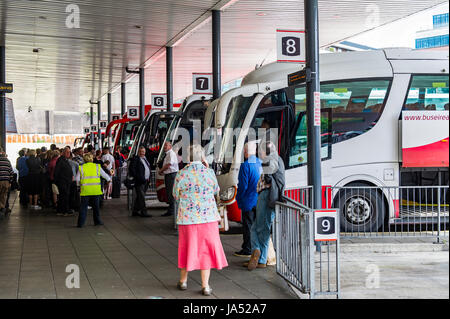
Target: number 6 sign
(159, 101)
(325, 225)
(291, 46)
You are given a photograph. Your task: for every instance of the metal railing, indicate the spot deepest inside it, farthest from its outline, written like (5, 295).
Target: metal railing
(397, 211)
(310, 271)
(401, 211)
(302, 195)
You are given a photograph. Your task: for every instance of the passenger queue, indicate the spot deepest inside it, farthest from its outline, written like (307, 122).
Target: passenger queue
(69, 181)
(57, 179)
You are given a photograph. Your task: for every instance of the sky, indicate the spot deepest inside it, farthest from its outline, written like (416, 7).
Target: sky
(401, 33)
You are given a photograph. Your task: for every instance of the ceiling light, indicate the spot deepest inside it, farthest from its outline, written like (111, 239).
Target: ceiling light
(36, 50)
(261, 14)
(138, 26)
(42, 17)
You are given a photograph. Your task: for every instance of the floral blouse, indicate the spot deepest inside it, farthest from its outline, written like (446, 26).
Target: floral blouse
(194, 190)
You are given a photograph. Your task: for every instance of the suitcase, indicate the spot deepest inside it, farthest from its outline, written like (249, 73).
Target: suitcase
(115, 187)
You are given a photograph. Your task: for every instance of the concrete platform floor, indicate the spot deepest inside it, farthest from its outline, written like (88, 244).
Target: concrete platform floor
(131, 257)
(128, 257)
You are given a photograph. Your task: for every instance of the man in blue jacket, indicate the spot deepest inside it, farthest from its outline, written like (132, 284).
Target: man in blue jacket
(247, 196)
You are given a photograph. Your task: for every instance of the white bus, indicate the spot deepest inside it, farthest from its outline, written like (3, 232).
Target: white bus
(195, 107)
(363, 98)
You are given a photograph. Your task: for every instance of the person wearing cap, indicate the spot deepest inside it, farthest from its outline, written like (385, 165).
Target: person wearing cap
(88, 177)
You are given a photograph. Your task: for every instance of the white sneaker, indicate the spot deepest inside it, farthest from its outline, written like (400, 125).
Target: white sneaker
(32, 207)
(37, 207)
(110, 197)
(89, 207)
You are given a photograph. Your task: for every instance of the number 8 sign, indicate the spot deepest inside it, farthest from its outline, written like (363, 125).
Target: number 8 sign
(291, 46)
(325, 225)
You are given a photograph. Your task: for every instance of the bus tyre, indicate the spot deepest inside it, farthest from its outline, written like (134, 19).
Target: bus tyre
(361, 210)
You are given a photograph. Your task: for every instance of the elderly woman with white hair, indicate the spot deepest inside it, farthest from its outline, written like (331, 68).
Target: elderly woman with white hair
(199, 245)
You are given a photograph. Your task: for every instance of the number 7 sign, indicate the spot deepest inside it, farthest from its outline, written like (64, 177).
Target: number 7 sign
(202, 83)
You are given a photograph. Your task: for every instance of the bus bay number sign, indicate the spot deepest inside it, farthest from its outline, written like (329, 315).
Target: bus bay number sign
(325, 225)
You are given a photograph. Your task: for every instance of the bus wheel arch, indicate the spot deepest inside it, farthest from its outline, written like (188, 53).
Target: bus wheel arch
(361, 210)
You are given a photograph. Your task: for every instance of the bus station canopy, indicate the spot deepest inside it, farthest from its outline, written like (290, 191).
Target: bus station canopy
(56, 67)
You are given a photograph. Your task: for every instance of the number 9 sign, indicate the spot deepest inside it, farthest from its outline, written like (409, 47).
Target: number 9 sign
(325, 225)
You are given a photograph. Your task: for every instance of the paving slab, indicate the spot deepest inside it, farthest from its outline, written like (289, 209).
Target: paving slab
(132, 257)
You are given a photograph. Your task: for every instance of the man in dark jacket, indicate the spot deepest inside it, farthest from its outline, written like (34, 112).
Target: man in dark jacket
(63, 177)
(23, 172)
(270, 188)
(140, 170)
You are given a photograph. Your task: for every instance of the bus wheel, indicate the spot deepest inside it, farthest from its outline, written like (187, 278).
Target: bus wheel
(362, 210)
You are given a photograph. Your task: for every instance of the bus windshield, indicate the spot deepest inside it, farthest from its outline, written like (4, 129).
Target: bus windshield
(78, 142)
(237, 111)
(185, 118)
(129, 133)
(157, 130)
(169, 135)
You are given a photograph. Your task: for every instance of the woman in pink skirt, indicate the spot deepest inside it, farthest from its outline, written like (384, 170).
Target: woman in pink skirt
(199, 245)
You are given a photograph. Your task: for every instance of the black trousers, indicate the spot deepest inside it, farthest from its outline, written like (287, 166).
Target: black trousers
(63, 198)
(139, 203)
(23, 196)
(169, 180)
(248, 218)
(46, 193)
(74, 199)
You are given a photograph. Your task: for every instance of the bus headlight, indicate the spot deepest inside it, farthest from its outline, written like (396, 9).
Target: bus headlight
(228, 194)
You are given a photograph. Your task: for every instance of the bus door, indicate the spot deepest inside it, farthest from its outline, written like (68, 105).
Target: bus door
(277, 122)
(297, 155)
(298, 152)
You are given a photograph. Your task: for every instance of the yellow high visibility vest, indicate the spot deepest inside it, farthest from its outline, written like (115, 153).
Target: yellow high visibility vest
(90, 180)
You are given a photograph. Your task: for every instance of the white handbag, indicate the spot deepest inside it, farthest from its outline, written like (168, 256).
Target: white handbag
(223, 223)
(271, 255)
